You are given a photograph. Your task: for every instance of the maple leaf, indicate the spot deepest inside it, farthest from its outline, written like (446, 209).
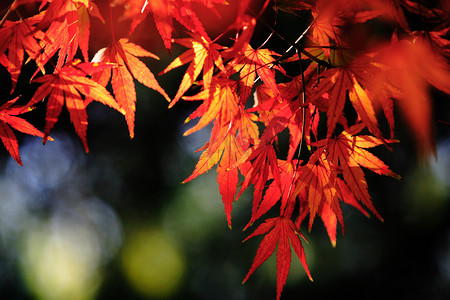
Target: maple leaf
(124, 54)
(62, 19)
(68, 28)
(330, 18)
(221, 105)
(219, 102)
(356, 78)
(348, 151)
(264, 167)
(9, 118)
(279, 231)
(227, 177)
(84, 25)
(275, 192)
(67, 85)
(318, 179)
(227, 154)
(251, 63)
(203, 55)
(411, 68)
(17, 38)
(164, 11)
(287, 113)
(326, 213)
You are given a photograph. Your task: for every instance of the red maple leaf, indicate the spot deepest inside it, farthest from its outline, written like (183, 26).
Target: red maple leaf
(164, 12)
(347, 152)
(319, 182)
(9, 118)
(264, 167)
(67, 85)
(411, 67)
(275, 192)
(17, 38)
(279, 231)
(68, 29)
(354, 78)
(220, 104)
(326, 213)
(124, 54)
(251, 62)
(288, 113)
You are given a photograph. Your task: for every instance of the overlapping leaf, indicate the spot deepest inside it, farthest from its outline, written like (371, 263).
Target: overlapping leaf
(319, 180)
(17, 38)
(221, 106)
(203, 55)
(251, 63)
(348, 152)
(278, 193)
(67, 86)
(68, 28)
(164, 12)
(351, 78)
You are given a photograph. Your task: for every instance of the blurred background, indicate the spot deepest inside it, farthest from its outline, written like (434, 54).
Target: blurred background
(117, 224)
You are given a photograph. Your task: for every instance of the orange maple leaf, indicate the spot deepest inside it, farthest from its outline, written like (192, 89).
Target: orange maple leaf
(224, 148)
(67, 85)
(251, 62)
(68, 29)
(124, 54)
(347, 152)
(317, 178)
(220, 102)
(227, 177)
(329, 19)
(226, 155)
(203, 55)
(354, 78)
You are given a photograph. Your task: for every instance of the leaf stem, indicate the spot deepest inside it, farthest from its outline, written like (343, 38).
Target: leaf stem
(302, 136)
(3, 20)
(296, 44)
(265, 42)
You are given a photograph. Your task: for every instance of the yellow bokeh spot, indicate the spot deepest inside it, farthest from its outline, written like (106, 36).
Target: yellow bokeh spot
(151, 262)
(53, 267)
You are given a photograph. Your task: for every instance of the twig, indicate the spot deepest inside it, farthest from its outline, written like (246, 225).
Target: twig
(3, 20)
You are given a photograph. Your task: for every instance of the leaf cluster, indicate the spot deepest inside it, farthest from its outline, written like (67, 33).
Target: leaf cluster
(248, 95)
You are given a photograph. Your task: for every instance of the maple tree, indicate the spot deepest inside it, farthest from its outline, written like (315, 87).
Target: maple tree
(344, 79)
